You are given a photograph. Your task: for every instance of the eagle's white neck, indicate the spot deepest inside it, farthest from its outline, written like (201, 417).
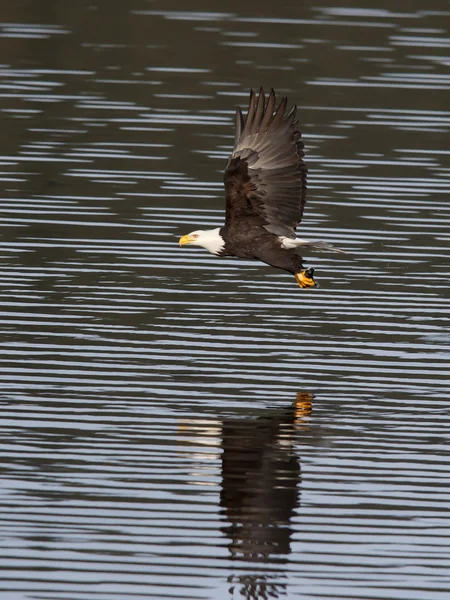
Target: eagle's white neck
(211, 240)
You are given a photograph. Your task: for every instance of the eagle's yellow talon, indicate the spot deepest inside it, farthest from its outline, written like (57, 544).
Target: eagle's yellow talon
(305, 279)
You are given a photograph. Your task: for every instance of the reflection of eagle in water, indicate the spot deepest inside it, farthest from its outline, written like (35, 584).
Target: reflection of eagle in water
(265, 183)
(260, 493)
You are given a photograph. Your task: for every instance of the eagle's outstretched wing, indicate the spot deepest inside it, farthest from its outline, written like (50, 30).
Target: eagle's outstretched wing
(265, 178)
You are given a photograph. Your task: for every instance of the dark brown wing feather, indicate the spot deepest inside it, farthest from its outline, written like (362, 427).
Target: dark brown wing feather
(265, 178)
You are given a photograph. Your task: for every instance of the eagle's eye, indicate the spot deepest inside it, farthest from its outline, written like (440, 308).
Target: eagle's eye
(195, 236)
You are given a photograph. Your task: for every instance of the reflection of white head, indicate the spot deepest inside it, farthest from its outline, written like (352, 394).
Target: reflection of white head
(210, 239)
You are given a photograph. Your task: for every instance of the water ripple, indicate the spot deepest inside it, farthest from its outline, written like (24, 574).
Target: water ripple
(162, 406)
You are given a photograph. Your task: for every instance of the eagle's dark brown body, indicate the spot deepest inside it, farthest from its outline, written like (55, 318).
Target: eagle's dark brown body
(248, 241)
(267, 202)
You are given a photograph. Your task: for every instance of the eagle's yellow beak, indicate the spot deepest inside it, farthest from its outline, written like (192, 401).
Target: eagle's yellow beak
(186, 239)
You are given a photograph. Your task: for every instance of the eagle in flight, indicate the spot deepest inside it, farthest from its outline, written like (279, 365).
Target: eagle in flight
(265, 186)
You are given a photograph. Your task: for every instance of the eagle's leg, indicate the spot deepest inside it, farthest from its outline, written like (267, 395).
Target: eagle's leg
(305, 279)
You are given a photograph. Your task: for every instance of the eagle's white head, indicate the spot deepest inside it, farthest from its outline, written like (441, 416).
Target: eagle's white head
(209, 239)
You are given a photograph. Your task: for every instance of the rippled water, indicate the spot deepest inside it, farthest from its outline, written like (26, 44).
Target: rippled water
(176, 425)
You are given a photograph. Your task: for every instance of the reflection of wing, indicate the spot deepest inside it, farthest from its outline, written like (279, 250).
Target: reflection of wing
(260, 477)
(260, 493)
(265, 178)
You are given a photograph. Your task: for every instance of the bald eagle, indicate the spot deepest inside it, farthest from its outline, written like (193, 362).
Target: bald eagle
(265, 185)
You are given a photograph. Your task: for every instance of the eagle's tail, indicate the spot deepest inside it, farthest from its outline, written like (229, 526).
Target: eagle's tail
(290, 243)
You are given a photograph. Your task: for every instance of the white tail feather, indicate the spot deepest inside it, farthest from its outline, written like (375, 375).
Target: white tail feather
(291, 243)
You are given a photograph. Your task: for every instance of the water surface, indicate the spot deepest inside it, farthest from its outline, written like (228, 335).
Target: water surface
(175, 425)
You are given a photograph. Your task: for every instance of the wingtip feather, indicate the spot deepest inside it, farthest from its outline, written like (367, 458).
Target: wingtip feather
(250, 113)
(239, 123)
